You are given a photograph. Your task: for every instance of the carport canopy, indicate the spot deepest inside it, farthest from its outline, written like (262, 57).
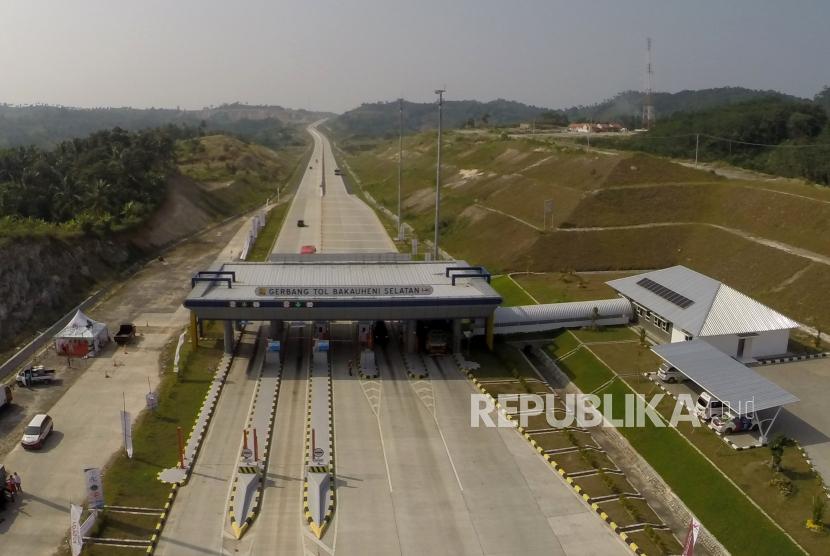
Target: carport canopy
(739, 388)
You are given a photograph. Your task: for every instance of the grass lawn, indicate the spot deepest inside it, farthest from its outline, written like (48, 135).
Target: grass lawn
(722, 508)
(627, 358)
(607, 334)
(512, 295)
(563, 342)
(559, 287)
(273, 223)
(134, 482)
(584, 369)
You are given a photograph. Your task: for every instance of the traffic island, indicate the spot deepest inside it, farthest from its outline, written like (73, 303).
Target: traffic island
(318, 487)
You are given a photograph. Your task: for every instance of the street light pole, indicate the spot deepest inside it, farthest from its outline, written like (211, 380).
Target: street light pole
(400, 166)
(435, 250)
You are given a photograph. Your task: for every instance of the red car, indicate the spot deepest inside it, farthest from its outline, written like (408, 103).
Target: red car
(308, 250)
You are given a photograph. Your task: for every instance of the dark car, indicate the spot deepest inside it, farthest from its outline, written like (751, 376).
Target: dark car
(37, 431)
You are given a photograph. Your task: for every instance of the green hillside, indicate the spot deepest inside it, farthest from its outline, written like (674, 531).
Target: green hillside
(772, 135)
(380, 119)
(627, 107)
(650, 212)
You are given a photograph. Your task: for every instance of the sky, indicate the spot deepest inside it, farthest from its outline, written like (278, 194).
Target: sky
(334, 55)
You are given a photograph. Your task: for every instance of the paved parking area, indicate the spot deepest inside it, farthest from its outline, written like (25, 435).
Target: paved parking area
(807, 421)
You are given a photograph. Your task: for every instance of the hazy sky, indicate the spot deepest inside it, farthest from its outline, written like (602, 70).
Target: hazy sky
(333, 55)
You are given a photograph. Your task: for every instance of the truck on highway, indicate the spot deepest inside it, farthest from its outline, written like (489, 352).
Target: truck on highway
(437, 342)
(338, 172)
(37, 374)
(125, 333)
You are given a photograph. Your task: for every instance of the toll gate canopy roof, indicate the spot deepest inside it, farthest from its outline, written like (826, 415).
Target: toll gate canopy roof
(323, 289)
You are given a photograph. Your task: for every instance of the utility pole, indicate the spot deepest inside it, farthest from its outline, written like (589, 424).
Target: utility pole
(697, 146)
(400, 166)
(648, 105)
(435, 250)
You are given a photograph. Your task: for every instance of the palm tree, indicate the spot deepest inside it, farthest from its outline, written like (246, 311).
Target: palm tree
(97, 197)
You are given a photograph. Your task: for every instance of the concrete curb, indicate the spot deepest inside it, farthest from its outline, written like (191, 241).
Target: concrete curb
(556, 467)
(154, 539)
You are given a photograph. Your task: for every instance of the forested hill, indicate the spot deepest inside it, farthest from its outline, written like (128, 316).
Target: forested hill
(627, 107)
(46, 126)
(380, 119)
(111, 179)
(771, 135)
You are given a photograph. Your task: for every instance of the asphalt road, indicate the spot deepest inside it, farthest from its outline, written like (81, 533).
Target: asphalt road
(335, 222)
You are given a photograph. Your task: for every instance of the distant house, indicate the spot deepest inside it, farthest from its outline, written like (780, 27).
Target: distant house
(678, 304)
(599, 127)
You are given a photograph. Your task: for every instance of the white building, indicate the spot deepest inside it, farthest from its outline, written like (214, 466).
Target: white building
(678, 304)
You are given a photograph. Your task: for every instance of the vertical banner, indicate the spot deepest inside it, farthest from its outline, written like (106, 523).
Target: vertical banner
(94, 488)
(127, 431)
(76, 541)
(691, 538)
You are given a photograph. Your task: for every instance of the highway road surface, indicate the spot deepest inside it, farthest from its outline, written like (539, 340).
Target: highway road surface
(336, 222)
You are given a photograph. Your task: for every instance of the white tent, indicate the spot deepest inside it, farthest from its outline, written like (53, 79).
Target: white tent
(81, 336)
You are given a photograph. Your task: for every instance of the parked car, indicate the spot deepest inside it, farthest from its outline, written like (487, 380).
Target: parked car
(667, 373)
(727, 423)
(37, 431)
(708, 406)
(308, 250)
(35, 375)
(126, 332)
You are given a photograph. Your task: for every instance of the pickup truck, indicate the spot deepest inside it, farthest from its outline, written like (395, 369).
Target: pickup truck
(125, 333)
(35, 375)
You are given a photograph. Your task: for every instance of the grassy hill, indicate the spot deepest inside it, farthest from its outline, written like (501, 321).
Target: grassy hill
(650, 213)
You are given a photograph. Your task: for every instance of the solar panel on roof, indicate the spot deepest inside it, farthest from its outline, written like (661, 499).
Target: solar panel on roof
(669, 295)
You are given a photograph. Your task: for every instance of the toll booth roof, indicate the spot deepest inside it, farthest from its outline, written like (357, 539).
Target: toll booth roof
(728, 380)
(325, 284)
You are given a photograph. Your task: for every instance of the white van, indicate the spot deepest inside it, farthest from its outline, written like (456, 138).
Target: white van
(707, 406)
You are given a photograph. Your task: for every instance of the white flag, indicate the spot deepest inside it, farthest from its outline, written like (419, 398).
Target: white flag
(127, 431)
(76, 541)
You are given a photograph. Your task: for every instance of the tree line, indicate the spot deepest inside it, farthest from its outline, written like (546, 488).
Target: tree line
(772, 135)
(111, 179)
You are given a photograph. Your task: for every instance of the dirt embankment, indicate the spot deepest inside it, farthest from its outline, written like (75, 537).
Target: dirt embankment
(44, 276)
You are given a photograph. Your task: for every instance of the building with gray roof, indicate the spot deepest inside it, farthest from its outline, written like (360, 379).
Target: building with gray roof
(676, 304)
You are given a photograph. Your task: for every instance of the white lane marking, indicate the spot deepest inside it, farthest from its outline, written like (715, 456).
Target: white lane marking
(382, 443)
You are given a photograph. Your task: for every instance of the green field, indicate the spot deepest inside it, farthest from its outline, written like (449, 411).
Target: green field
(512, 295)
(265, 240)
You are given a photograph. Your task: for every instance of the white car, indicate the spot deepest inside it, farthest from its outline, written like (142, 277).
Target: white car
(667, 373)
(36, 432)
